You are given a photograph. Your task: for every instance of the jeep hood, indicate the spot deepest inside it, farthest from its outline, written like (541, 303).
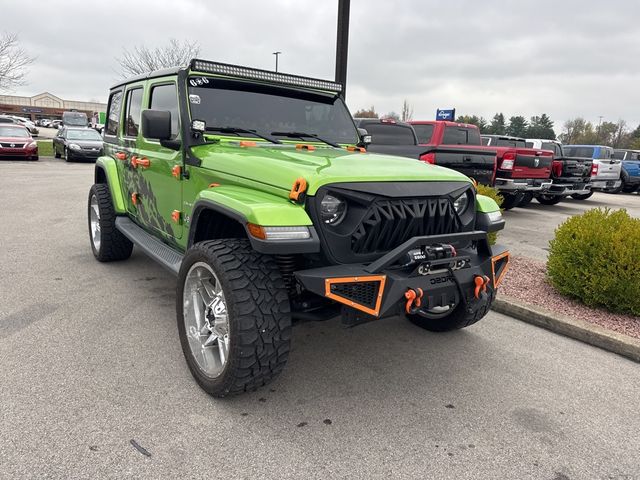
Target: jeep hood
(280, 165)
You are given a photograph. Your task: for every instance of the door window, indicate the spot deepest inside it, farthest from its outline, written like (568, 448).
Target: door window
(165, 97)
(134, 107)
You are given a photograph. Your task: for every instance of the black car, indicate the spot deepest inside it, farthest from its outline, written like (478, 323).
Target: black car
(77, 144)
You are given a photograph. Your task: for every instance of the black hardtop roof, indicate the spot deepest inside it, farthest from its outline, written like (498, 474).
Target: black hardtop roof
(238, 71)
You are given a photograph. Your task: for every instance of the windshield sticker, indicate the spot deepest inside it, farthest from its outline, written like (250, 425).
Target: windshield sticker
(198, 81)
(195, 99)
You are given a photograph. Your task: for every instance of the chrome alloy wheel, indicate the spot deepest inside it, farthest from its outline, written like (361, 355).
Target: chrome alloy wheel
(94, 220)
(205, 319)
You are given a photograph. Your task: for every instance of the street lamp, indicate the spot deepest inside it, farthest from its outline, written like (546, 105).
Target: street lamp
(276, 54)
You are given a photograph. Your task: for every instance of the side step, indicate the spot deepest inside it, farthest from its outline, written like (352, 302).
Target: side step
(150, 245)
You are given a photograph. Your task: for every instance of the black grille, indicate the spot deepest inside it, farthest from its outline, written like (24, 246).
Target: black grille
(363, 293)
(389, 223)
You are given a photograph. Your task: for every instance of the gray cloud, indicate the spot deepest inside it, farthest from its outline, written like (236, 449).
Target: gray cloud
(565, 58)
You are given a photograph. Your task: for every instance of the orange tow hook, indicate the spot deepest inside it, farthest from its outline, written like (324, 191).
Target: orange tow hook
(481, 283)
(414, 299)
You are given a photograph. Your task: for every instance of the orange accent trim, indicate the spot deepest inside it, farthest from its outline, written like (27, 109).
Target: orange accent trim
(134, 198)
(369, 278)
(175, 216)
(304, 146)
(351, 148)
(143, 162)
(213, 185)
(247, 143)
(176, 171)
(298, 188)
(121, 156)
(497, 281)
(257, 231)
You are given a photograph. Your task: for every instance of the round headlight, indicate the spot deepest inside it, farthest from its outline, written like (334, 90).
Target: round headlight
(461, 203)
(332, 209)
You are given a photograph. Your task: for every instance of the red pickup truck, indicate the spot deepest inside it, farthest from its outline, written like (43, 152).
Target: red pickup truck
(518, 170)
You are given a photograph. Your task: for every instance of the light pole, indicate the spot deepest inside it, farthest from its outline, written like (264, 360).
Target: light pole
(276, 54)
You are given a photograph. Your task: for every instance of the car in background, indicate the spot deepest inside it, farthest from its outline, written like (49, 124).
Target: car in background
(569, 175)
(16, 143)
(28, 124)
(521, 171)
(606, 170)
(56, 124)
(77, 144)
(630, 174)
(5, 119)
(75, 119)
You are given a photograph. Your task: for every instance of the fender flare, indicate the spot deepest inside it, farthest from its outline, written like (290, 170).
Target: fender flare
(107, 167)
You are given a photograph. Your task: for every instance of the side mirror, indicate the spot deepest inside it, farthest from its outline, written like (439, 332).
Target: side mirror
(156, 124)
(365, 138)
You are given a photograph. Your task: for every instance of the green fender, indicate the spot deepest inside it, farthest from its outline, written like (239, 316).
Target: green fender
(253, 206)
(486, 204)
(109, 168)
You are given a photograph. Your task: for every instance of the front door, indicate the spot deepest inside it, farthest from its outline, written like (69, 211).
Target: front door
(159, 169)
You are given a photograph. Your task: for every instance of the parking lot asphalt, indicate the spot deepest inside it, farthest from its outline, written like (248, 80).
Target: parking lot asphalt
(528, 230)
(90, 360)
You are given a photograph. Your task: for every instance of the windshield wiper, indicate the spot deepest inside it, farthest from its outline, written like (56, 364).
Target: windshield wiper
(242, 130)
(305, 135)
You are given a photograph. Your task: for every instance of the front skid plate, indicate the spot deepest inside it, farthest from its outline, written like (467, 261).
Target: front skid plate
(439, 288)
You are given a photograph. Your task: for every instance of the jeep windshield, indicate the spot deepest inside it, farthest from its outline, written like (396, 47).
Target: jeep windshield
(270, 110)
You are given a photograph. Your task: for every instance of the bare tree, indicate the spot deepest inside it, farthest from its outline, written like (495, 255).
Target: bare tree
(407, 111)
(13, 62)
(143, 59)
(364, 113)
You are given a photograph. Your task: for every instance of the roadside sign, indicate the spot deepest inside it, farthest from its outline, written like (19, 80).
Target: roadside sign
(446, 114)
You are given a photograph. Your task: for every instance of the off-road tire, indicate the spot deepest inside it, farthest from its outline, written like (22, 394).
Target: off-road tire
(549, 199)
(584, 196)
(526, 200)
(259, 315)
(114, 245)
(511, 200)
(458, 319)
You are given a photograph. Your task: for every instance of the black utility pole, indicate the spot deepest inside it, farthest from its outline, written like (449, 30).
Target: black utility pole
(342, 44)
(276, 54)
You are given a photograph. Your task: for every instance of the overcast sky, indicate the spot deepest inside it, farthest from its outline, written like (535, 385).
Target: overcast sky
(564, 58)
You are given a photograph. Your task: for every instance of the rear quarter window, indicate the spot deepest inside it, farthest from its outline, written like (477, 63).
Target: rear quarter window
(390, 134)
(113, 113)
(461, 136)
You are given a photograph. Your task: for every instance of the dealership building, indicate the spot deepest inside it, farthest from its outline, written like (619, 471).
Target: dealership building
(46, 105)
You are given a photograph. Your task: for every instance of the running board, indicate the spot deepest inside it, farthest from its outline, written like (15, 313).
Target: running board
(150, 245)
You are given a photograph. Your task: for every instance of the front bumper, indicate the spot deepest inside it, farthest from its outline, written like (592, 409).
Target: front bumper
(602, 184)
(83, 154)
(378, 289)
(9, 153)
(523, 184)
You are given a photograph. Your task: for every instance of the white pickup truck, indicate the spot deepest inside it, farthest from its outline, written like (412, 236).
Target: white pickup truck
(606, 170)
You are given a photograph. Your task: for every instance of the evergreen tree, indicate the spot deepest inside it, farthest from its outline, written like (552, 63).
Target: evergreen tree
(498, 125)
(517, 126)
(541, 127)
(479, 122)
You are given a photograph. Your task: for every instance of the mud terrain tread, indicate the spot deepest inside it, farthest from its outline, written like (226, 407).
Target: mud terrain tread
(114, 245)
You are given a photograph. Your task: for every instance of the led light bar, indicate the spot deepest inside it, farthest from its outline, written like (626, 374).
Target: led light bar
(264, 75)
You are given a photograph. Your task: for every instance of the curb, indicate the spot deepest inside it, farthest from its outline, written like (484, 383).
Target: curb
(577, 329)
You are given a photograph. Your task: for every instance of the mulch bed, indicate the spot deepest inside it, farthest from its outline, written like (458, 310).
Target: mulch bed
(526, 281)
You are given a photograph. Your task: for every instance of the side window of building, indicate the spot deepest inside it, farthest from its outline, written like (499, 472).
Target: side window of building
(165, 97)
(113, 115)
(134, 107)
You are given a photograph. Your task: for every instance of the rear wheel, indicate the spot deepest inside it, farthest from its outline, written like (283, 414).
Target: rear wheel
(511, 200)
(107, 242)
(549, 199)
(616, 189)
(581, 196)
(459, 318)
(526, 200)
(234, 317)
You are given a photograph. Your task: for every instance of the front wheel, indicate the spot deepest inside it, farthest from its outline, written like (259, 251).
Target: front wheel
(549, 199)
(584, 196)
(234, 317)
(459, 318)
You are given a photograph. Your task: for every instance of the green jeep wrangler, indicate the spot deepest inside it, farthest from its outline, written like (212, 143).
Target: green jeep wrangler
(254, 188)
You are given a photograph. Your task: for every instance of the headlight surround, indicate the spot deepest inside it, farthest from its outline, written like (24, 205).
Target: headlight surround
(74, 146)
(332, 209)
(461, 203)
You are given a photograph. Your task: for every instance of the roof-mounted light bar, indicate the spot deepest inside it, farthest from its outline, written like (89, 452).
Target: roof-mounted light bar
(264, 75)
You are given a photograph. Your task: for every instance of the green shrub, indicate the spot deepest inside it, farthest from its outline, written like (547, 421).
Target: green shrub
(595, 257)
(491, 192)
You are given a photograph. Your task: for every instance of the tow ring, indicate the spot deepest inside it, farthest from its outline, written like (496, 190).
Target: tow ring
(481, 283)
(414, 300)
